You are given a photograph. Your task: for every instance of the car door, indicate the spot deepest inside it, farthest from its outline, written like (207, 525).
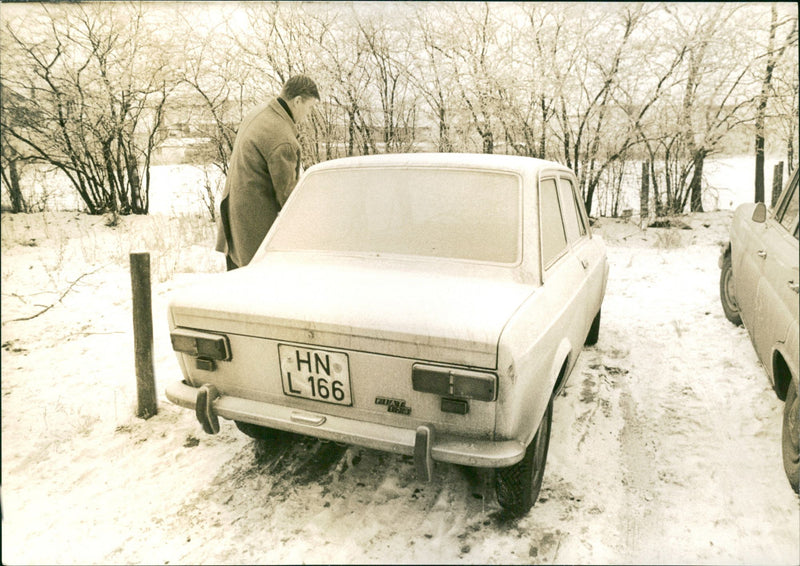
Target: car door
(776, 302)
(747, 245)
(563, 274)
(588, 253)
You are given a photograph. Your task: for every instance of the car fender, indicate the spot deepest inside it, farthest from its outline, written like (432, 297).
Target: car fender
(530, 364)
(531, 418)
(563, 360)
(788, 350)
(742, 231)
(726, 250)
(791, 351)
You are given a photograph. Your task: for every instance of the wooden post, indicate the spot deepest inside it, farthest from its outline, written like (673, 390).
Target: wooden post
(143, 335)
(777, 182)
(644, 193)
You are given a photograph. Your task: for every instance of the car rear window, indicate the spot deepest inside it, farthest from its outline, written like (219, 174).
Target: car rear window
(447, 213)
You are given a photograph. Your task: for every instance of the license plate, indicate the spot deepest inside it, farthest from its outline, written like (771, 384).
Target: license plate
(315, 374)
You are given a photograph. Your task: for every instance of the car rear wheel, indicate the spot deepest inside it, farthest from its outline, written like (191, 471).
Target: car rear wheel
(255, 431)
(594, 331)
(790, 440)
(270, 443)
(518, 486)
(264, 433)
(726, 292)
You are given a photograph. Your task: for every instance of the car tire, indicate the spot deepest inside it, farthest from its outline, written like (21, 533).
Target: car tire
(726, 293)
(517, 487)
(594, 331)
(790, 436)
(269, 444)
(257, 432)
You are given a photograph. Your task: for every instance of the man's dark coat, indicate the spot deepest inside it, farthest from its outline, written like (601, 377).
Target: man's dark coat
(262, 172)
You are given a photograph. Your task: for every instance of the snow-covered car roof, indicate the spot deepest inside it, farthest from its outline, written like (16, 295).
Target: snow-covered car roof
(515, 163)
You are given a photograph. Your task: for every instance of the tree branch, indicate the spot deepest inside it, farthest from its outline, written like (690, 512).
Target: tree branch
(64, 294)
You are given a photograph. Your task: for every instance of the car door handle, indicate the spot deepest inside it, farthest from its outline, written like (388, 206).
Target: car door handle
(794, 286)
(762, 254)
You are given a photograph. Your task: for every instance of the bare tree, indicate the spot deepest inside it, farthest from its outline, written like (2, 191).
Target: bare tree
(213, 74)
(99, 85)
(787, 108)
(475, 56)
(288, 49)
(388, 52)
(344, 81)
(527, 92)
(592, 129)
(12, 158)
(429, 75)
(272, 44)
(593, 87)
(715, 95)
(597, 158)
(773, 55)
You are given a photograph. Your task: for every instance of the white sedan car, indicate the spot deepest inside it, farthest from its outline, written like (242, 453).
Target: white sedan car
(425, 304)
(759, 283)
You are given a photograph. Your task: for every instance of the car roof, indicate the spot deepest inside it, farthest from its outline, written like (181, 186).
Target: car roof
(514, 163)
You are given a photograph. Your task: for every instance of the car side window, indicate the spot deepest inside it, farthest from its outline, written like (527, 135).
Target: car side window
(553, 237)
(787, 215)
(572, 219)
(581, 210)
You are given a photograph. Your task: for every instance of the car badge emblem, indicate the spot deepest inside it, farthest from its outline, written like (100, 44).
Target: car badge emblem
(394, 405)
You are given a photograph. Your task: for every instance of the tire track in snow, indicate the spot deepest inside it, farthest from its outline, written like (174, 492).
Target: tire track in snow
(655, 419)
(312, 499)
(688, 422)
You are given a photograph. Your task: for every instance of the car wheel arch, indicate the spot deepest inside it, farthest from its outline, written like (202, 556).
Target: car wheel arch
(781, 374)
(726, 250)
(557, 376)
(727, 294)
(561, 364)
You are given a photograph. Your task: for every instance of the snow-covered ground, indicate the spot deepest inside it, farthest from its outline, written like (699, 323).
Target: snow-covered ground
(179, 188)
(665, 445)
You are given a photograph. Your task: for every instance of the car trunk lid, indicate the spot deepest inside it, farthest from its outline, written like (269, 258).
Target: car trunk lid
(378, 305)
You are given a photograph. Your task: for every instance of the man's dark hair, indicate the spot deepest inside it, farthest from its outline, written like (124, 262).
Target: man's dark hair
(299, 85)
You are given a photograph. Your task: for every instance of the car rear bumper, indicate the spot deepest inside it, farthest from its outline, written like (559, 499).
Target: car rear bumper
(443, 448)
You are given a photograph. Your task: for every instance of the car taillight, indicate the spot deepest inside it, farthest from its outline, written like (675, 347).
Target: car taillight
(202, 345)
(455, 383)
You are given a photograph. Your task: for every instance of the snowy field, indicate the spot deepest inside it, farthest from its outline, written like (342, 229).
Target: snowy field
(665, 445)
(178, 189)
